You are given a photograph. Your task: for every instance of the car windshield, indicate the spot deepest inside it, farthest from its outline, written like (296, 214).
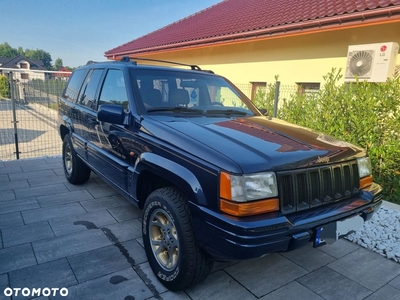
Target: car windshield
(190, 94)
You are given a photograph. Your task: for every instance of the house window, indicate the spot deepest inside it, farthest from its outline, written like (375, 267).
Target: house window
(24, 76)
(255, 86)
(308, 87)
(23, 65)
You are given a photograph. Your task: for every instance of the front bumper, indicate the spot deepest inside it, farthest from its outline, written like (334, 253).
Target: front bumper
(229, 238)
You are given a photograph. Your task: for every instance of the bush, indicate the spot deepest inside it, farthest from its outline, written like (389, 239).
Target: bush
(366, 114)
(4, 87)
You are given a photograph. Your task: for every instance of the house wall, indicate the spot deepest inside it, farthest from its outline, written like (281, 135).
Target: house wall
(301, 58)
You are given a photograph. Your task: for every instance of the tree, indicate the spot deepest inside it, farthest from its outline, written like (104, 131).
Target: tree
(7, 51)
(58, 64)
(21, 51)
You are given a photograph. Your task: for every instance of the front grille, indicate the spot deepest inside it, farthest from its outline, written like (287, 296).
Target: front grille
(311, 187)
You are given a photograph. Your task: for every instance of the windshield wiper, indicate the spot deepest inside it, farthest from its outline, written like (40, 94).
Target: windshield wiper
(177, 109)
(227, 112)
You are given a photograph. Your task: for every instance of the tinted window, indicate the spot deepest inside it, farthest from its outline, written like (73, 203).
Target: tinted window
(88, 91)
(114, 90)
(72, 89)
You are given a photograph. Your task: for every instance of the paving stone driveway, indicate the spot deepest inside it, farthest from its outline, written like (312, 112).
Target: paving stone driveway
(87, 238)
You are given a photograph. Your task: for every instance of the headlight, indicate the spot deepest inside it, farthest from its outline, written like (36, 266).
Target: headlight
(246, 195)
(364, 166)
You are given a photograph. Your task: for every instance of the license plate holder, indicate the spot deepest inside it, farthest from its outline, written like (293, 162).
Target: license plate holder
(331, 232)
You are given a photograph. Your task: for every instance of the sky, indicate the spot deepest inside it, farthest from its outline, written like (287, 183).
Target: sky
(81, 30)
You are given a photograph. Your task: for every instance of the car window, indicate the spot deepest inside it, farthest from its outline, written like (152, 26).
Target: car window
(88, 91)
(72, 89)
(190, 93)
(114, 89)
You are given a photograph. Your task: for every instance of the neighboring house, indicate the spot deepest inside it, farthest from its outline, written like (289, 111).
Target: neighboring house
(24, 69)
(254, 40)
(62, 74)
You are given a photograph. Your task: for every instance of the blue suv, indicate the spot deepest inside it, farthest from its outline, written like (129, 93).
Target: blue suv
(216, 179)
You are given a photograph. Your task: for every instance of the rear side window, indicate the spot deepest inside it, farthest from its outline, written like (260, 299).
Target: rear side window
(114, 90)
(72, 90)
(88, 91)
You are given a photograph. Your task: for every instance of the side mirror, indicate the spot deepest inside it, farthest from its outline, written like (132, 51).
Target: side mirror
(263, 111)
(110, 113)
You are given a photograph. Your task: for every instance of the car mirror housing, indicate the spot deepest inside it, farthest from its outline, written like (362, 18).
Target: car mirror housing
(109, 113)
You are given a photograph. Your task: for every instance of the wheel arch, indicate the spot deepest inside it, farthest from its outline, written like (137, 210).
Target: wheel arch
(153, 172)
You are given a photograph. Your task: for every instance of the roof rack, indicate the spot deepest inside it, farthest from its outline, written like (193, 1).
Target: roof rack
(193, 67)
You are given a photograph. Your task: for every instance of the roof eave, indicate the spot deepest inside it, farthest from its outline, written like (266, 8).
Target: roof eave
(391, 14)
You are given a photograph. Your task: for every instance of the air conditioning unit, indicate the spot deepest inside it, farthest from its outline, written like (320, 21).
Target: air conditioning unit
(371, 62)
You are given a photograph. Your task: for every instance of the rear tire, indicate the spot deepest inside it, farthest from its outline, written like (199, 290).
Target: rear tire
(75, 169)
(171, 248)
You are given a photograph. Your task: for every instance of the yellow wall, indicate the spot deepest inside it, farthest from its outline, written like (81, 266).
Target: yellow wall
(301, 58)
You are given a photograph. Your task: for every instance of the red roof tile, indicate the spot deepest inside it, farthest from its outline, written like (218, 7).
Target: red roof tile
(238, 19)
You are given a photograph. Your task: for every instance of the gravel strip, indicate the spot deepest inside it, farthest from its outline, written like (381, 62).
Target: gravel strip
(381, 234)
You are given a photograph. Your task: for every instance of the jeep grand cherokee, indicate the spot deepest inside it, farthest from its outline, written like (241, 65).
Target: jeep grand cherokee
(216, 179)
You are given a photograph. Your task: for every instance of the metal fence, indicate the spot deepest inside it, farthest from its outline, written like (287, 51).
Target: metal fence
(28, 115)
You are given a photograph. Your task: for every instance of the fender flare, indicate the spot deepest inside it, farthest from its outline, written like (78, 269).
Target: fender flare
(171, 171)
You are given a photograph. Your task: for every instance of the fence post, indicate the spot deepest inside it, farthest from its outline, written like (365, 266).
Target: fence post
(14, 121)
(276, 98)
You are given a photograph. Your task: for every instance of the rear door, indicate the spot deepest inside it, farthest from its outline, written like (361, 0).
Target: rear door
(85, 118)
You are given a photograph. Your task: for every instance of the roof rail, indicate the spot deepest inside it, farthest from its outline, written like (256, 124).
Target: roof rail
(91, 62)
(193, 67)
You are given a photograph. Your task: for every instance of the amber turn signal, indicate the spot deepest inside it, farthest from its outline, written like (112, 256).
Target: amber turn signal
(366, 181)
(249, 208)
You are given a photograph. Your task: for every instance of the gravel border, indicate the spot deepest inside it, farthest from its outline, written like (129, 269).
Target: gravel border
(381, 234)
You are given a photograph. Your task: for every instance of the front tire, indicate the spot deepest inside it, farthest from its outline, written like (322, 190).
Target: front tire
(75, 169)
(171, 248)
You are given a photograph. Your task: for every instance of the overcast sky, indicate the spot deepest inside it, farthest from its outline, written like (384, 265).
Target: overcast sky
(81, 30)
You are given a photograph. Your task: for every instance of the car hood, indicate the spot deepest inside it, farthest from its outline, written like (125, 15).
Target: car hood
(256, 143)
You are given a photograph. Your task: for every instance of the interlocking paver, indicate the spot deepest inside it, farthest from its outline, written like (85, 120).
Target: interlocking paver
(54, 274)
(386, 292)
(124, 231)
(293, 290)
(340, 248)
(262, 276)
(332, 285)
(102, 191)
(64, 198)
(3, 285)
(47, 213)
(45, 180)
(40, 190)
(31, 174)
(125, 284)
(7, 195)
(18, 205)
(78, 222)
(10, 220)
(309, 258)
(69, 244)
(9, 185)
(99, 203)
(395, 282)
(38, 167)
(125, 212)
(4, 178)
(364, 262)
(26, 233)
(10, 170)
(98, 262)
(221, 286)
(16, 257)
